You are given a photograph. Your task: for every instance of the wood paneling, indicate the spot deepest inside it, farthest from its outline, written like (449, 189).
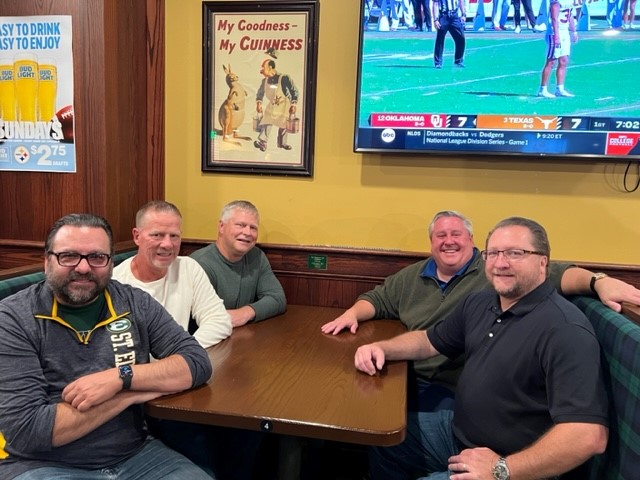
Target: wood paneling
(20, 258)
(20, 254)
(351, 272)
(632, 312)
(118, 53)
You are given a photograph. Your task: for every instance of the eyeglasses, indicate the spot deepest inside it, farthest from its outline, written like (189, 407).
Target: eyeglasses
(512, 254)
(70, 259)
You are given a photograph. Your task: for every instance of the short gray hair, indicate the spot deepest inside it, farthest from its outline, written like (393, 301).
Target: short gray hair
(451, 213)
(245, 205)
(156, 206)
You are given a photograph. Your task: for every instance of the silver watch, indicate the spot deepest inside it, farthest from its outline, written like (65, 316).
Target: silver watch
(500, 470)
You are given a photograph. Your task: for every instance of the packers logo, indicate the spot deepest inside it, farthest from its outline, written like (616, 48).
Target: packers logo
(119, 326)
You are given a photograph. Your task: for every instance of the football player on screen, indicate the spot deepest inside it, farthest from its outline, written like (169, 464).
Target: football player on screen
(559, 39)
(628, 14)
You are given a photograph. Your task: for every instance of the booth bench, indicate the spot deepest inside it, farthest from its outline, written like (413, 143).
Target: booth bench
(11, 285)
(619, 338)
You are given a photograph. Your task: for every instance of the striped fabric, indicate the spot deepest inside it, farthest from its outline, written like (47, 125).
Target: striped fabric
(620, 342)
(13, 285)
(449, 6)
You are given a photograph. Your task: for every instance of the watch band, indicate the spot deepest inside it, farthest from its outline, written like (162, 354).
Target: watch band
(501, 470)
(594, 279)
(126, 374)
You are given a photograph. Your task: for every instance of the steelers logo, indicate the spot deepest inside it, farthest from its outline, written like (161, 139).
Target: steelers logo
(21, 154)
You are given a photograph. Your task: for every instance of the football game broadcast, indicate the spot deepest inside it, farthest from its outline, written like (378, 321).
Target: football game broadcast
(538, 78)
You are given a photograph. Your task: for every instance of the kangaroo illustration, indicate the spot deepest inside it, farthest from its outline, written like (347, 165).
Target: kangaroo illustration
(231, 113)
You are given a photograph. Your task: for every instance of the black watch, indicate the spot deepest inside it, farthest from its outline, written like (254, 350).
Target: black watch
(500, 470)
(594, 279)
(126, 374)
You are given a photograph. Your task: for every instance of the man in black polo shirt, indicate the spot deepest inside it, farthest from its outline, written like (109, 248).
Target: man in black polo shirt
(530, 401)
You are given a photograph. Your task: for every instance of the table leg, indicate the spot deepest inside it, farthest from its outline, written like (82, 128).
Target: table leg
(289, 458)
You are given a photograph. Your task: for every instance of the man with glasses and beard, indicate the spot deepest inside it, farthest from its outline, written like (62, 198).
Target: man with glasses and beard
(530, 402)
(423, 294)
(75, 366)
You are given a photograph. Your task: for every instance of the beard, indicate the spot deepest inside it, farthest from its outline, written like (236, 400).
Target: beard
(523, 285)
(76, 295)
(516, 291)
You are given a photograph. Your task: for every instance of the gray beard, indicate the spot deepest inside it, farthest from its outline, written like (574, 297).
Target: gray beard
(76, 297)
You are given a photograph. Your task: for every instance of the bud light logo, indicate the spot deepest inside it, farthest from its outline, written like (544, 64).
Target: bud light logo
(388, 135)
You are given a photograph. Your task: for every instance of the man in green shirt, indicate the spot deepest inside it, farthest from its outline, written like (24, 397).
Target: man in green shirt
(238, 270)
(426, 292)
(241, 275)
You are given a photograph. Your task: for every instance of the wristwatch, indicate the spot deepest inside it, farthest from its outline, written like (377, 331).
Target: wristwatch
(126, 374)
(500, 470)
(594, 279)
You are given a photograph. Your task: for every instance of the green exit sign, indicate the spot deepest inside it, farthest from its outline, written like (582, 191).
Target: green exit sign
(317, 262)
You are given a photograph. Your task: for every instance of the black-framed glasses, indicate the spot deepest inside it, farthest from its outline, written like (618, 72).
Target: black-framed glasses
(512, 254)
(72, 259)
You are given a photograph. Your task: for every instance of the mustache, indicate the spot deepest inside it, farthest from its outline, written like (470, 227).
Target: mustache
(81, 276)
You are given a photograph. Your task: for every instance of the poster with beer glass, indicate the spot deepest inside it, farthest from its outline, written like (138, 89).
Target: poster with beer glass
(36, 94)
(259, 78)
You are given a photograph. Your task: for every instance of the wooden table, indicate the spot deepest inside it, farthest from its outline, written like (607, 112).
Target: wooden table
(632, 311)
(283, 375)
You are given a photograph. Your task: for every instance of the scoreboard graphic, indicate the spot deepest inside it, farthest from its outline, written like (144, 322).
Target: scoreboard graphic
(525, 134)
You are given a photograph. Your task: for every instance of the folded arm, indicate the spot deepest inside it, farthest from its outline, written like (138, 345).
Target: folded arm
(71, 423)
(169, 375)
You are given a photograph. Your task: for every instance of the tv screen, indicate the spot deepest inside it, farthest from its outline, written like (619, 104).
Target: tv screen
(492, 105)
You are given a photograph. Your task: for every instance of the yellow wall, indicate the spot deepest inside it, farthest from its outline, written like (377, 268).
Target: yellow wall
(369, 200)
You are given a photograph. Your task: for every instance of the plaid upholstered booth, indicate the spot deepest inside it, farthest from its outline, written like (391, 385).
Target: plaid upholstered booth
(9, 286)
(620, 343)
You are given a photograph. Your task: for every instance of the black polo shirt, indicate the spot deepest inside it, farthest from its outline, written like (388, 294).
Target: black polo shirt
(526, 369)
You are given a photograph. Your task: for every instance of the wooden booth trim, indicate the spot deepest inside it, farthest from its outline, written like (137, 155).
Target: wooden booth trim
(310, 274)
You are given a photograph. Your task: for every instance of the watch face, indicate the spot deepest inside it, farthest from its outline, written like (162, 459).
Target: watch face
(126, 375)
(500, 472)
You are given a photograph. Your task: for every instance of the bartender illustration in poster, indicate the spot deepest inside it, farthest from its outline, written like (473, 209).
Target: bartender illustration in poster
(281, 98)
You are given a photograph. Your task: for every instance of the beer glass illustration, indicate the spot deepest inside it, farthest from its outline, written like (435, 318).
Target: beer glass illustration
(25, 75)
(7, 96)
(47, 89)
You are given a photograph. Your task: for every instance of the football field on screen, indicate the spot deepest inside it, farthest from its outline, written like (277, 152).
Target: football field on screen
(502, 75)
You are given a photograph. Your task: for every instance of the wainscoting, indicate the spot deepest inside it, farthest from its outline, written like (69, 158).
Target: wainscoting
(310, 275)
(335, 276)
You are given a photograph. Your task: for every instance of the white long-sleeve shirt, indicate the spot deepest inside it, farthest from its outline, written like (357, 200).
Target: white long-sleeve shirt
(185, 291)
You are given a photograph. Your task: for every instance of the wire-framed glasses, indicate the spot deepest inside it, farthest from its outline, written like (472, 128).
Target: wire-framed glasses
(511, 254)
(72, 259)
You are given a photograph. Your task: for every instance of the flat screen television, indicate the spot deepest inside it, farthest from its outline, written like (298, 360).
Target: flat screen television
(491, 106)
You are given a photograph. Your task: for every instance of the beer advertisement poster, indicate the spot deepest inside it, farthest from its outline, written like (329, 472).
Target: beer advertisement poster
(36, 94)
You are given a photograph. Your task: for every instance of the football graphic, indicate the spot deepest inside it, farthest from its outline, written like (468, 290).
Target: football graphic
(65, 117)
